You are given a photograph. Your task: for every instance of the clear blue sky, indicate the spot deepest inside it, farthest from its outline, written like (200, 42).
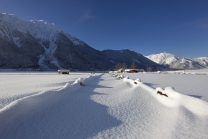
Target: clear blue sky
(148, 27)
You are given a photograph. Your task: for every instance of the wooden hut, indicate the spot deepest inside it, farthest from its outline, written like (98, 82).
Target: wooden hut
(133, 70)
(63, 71)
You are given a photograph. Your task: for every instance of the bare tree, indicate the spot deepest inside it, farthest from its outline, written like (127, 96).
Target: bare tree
(124, 66)
(133, 65)
(149, 69)
(118, 66)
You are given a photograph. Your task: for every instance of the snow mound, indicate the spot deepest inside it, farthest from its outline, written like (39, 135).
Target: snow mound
(36, 99)
(176, 99)
(171, 98)
(105, 107)
(82, 81)
(27, 109)
(139, 80)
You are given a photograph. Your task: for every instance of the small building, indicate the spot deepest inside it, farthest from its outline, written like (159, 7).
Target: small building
(63, 71)
(133, 70)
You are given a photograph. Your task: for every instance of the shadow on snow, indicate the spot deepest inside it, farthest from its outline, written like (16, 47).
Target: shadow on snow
(150, 84)
(75, 115)
(195, 96)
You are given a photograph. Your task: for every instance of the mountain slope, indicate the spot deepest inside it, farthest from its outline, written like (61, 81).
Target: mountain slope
(202, 60)
(124, 56)
(176, 63)
(38, 44)
(18, 48)
(163, 58)
(187, 64)
(43, 46)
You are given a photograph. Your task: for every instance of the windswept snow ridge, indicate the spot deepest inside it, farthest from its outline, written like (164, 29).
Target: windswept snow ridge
(106, 106)
(42, 114)
(146, 114)
(174, 98)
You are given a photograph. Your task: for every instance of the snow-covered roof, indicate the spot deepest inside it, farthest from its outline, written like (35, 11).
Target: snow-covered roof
(63, 70)
(133, 69)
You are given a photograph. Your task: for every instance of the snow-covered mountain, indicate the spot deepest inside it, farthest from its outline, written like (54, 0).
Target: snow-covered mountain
(187, 63)
(42, 45)
(202, 60)
(176, 63)
(163, 58)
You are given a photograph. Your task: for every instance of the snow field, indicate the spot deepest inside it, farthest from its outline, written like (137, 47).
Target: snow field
(144, 114)
(107, 106)
(194, 72)
(60, 113)
(16, 85)
(173, 99)
(187, 84)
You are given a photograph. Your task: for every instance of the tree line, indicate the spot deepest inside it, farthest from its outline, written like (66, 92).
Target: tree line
(123, 66)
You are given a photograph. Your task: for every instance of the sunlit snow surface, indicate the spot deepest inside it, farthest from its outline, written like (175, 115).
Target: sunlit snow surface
(15, 85)
(83, 105)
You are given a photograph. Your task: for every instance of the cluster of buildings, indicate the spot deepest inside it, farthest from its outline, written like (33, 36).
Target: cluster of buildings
(64, 71)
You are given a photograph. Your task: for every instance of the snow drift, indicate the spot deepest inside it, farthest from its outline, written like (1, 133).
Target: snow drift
(106, 106)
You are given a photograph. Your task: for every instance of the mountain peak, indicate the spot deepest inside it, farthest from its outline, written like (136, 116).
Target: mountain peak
(176, 63)
(163, 58)
(38, 44)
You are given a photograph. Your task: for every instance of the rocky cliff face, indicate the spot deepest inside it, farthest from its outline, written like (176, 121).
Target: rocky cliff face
(41, 45)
